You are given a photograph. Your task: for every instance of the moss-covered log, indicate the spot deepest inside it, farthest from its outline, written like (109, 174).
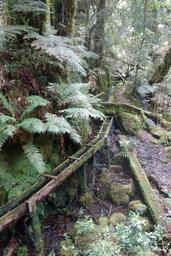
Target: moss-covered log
(151, 200)
(111, 108)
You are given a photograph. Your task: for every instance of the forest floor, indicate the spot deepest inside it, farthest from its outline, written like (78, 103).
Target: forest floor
(153, 158)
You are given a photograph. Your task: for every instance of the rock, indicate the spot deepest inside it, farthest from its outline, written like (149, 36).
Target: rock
(117, 218)
(150, 123)
(129, 123)
(120, 193)
(147, 225)
(103, 221)
(138, 206)
(146, 90)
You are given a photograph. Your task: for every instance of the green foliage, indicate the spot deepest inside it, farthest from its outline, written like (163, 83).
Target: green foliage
(63, 49)
(34, 157)
(34, 102)
(134, 240)
(59, 125)
(77, 103)
(29, 6)
(89, 239)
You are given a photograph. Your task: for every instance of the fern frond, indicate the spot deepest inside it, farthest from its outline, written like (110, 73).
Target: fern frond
(34, 102)
(63, 91)
(35, 157)
(32, 125)
(6, 132)
(61, 49)
(28, 6)
(7, 105)
(59, 125)
(4, 119)
(82, 113)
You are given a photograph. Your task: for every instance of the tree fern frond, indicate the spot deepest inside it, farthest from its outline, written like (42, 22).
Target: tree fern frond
(61, 49)
(35, 157)
(34, 102)
(7, 104)
(4, 119)
(28, 6)
(82, 113)
(32, 125)
(59, 125)
(63, 91)
(6, 132)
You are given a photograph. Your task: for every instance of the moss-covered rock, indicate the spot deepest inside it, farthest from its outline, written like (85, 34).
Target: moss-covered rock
(86, 199)
(103, 221)
(158, 131)
(147, 225)
(129, 123)
(67, 248)
(117, 218)
(120, 194)
(138, 206)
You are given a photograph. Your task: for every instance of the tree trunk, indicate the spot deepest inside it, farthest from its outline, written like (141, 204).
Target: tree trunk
(99, 35)
(162, 70)
(64, 13)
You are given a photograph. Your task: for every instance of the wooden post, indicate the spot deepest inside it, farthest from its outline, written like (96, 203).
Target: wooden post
(85, 178)
(107, 154)
(36, 231)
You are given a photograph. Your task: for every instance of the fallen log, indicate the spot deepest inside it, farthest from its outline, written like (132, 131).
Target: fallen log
(155, 208)
(111, 108)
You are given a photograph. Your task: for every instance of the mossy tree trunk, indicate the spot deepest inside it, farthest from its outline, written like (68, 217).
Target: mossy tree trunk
(162, 70)
(99, 34)
(64, 13)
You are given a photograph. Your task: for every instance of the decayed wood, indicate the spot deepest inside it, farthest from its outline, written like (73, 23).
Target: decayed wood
(42, 180)
(27, 206)
(36, 231)
(153, 203)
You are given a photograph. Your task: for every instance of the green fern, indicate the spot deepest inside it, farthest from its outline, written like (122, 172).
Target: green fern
(82, 113)
(60, 48)
(59, 125)
(6, 132)
(32, 125)
(29, 6)
(4, 119)
(34, 102)
(35, 157)
(7, 105)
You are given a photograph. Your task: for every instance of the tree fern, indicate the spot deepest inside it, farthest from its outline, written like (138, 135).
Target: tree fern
(34, 102)
(60, 48)
(35, 157)
(59, 125)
